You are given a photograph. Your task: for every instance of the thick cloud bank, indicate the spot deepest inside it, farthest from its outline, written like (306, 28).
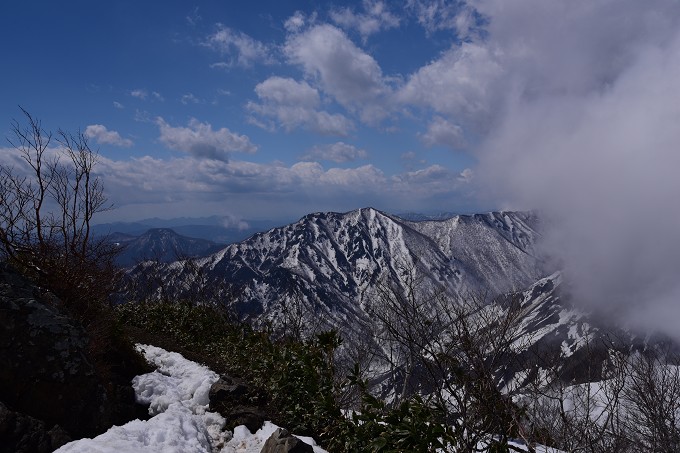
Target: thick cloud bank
(586, 128)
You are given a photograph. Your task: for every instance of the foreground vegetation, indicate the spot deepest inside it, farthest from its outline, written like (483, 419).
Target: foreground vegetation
(297, 379)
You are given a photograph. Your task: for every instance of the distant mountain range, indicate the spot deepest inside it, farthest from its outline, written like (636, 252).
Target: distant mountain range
(215, 228)
(160, 244)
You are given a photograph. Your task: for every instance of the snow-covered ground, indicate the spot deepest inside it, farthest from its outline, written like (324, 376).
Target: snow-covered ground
(177, 393)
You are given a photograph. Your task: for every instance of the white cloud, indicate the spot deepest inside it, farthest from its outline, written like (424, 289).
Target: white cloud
(342, 70)
(429, 183)
(294, 104)
(288, 91)
(118, 105)
(376, 17)
(462, 84)
(144, 95)
(242, 49)
(139, 94)
(295, 22)
(337, 152)
(435, 15)
(466, 175)
(190, 98)
(443, 132)
(201, 141)
(583, 100)
(148, 186)
(103, 136)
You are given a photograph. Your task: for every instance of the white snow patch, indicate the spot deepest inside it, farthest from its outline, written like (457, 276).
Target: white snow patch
(245, 442)
(178, 396)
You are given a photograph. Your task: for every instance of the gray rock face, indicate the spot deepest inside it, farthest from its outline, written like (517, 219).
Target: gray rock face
(44, 369)
(283, 442)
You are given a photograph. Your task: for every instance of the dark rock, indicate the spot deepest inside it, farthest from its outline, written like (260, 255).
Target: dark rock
(226, 390)
(283, 442)
(252, 417)
(44, 368)
(49, 369)
(237, 403)
(58, 436)
(21, 433)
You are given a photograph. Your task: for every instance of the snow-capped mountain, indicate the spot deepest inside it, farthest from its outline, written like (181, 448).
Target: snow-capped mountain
(326, 264)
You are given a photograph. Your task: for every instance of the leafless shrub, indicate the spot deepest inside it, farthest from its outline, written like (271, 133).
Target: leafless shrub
(46, 209)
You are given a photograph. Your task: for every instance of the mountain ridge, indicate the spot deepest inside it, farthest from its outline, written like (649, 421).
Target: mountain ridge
(329, 259)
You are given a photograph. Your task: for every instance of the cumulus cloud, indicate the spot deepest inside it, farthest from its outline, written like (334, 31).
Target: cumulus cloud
(344, 71)
(429, 183)
(584, 99)
(292, 104)
(443, 132)
(200, 140)
(376, 17)
(337, 152)
(297, 21)
(241, 49)
(145, 186)
(153, 180)
(465, 83)
(288, 91)
(118, 105)
(103, 136)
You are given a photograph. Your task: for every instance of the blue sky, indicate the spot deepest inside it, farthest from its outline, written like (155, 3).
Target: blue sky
(206, 84)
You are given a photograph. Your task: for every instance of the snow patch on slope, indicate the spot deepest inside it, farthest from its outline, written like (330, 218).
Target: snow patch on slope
(177, 393)
(178, 396)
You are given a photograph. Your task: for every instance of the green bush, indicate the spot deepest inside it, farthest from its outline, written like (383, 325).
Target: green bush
(298, 380)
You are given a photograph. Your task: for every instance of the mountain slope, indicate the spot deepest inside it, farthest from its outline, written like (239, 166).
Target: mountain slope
(326, 264)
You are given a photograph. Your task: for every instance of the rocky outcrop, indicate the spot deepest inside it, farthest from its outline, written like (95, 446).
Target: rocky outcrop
(48, 373)
(44, 368)
(281, 441)
(237, 403)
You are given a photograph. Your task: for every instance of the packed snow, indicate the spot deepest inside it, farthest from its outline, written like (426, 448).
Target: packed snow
(177, 394)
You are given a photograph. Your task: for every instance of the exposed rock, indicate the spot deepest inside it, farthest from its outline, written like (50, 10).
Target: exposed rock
(44, 368)
(48, 370)
(250, 416)
(20, 433)
(227, 390)
(281, 441)
(237, 403)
